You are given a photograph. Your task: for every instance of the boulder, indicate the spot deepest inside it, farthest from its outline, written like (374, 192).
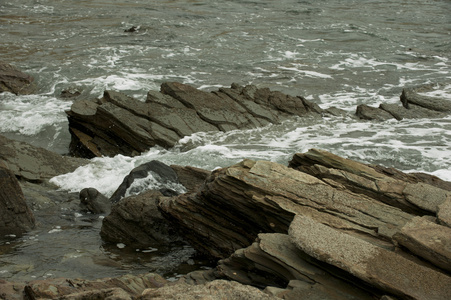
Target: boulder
(366, 112)
(427, 240)
(378, 267)
(160, 175)
(137, 221)
(14, 81)
(93, 201)
(119, 124)
(15, 215)
(34, 163)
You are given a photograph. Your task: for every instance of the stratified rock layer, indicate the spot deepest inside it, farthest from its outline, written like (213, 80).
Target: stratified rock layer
(15, 81)
(118, 124)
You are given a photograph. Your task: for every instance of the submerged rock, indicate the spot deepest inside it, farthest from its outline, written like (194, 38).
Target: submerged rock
(414, 105)
(93, 201)
(14, 81)
(118, 124)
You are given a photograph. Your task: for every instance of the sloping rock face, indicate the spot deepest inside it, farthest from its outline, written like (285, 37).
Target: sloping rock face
(381, 268)
(414, 105)
(243, 200)
(15, 81)
(15, 215)
(414, 193)
(358, 222)
(118, 124)
(34, 163)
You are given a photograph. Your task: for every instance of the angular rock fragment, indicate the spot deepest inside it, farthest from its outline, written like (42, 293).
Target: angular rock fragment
(136, 220)
(378, 267)
(428, 240)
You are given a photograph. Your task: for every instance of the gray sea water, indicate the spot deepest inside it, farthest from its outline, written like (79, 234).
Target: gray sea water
(338, 53)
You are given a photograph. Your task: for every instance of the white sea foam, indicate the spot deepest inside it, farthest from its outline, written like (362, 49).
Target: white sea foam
(29, 115)
(152, 181)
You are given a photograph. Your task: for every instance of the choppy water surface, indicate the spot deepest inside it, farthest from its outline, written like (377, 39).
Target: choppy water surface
(337, 53)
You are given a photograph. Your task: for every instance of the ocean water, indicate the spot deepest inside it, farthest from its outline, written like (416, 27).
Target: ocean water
(338, 53)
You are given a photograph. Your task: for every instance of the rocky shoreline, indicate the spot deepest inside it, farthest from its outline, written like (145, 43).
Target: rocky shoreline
(322, 227)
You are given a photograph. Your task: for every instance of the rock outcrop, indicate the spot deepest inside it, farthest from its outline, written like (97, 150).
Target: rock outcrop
(414, 105)
(238, 202)
(137, 221)
(373, 227)
(15, 215)
(33, 163)
(15, 81)
(118, 124)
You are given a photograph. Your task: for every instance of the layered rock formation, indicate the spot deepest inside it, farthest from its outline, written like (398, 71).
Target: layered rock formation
(15, 81)
(121, 124)
(414, 105)
(330, 223)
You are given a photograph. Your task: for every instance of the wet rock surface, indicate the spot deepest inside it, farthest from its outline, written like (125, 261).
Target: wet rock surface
(33, 163)
(327, 227)
(119, 124)
(323, 227)
(15, 215)
(15, 81)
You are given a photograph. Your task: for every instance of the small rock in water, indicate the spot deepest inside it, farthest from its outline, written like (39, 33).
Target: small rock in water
(132, 29)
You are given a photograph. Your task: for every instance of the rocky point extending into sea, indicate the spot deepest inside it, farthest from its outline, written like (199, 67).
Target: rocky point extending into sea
(320, 227)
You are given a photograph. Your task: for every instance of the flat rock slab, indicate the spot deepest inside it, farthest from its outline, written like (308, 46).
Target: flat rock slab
(34, 163)
(428, 240)
(378, 267)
